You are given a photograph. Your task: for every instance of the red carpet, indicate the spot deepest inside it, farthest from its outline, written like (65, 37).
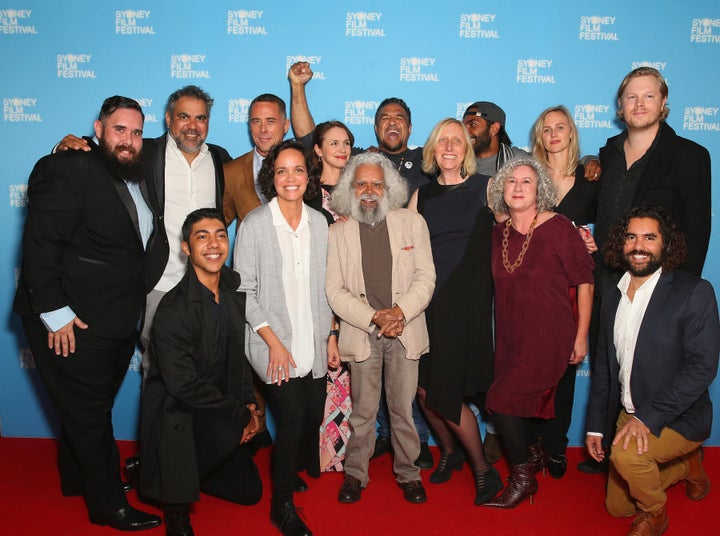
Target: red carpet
(31, 504)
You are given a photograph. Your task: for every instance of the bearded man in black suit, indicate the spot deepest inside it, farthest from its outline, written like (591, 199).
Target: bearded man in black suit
(81, 297)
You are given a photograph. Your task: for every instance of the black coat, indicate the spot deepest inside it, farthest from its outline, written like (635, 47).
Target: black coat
(177, 392)
(676, 178)
(82, 246)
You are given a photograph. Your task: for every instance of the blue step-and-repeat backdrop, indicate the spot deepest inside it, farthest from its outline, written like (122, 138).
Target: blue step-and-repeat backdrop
(63, 58)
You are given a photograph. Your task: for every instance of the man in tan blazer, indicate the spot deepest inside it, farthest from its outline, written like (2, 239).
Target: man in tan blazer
(268, 125)
(380, 278)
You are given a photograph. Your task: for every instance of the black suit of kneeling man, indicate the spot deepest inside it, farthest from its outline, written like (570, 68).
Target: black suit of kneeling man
(81, 296)
(198, 406)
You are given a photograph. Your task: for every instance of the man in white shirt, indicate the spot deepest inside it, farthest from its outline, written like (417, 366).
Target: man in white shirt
(657, 355)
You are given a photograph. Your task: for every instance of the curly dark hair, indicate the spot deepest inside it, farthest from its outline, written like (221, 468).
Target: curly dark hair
(266, 176)
(674, 250)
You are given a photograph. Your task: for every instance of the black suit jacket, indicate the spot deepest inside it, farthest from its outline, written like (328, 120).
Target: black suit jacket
(177, 392)
(676, 178)
(154, 168)
(676, 359)
(82, 246)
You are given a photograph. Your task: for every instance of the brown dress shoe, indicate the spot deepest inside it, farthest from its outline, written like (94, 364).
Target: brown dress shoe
(413, 491)
(350, 491)
(697, 481)
(646, 524)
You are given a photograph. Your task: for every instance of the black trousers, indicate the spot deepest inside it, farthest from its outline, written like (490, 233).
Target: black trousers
(554, 431)
(233, 477)
(82, 389)
(298, 407)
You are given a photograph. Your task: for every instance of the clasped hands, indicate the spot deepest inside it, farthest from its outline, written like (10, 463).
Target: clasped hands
(254, 426)
(390, 321)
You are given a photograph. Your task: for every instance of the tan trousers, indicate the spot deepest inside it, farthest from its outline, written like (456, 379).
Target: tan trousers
(387, 360)
(638, 481)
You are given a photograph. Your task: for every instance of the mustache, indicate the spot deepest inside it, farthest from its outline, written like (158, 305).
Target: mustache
(639, 252)
(369, 197)
(129, 148)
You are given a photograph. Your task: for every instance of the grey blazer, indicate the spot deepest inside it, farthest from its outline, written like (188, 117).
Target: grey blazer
(258, 260)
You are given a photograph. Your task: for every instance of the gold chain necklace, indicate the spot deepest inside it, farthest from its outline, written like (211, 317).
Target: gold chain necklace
(506, 233)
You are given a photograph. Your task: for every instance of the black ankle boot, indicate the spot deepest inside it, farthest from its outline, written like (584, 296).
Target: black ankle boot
(487, 485)
(445, 467)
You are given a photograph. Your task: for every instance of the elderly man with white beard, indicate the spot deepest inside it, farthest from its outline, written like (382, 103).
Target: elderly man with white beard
(380, 278)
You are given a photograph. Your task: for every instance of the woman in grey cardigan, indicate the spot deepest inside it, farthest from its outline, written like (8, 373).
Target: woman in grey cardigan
(280, 254)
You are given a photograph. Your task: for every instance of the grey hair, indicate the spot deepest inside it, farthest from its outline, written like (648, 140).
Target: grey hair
(396, 189)
(546, 192)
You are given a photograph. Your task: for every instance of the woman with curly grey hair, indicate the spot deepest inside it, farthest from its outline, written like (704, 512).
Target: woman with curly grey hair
(537, 256)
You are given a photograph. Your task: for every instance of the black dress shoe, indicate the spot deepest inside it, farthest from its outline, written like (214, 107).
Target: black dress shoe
(177, 523)
(127, 518)
(285, 517)
(413, 491)
(299, 485)
(350, 491)
(425, 460)
(382, 446)
(592, 467)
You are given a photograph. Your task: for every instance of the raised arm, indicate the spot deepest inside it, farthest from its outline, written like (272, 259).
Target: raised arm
(302, 121)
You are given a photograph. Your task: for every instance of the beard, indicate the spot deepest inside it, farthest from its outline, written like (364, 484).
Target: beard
(650, 267)
(482, 141)
(370, 216)
(186, 148)
(129, 170)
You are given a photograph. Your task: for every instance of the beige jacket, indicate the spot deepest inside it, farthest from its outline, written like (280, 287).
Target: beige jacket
(413, 282)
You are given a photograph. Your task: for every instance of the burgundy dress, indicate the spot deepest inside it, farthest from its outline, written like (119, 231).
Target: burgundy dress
(535, 326)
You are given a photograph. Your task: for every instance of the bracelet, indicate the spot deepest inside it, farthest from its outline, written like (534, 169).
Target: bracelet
(335, 332)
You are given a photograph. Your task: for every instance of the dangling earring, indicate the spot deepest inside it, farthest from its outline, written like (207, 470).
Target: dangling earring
(463, 173)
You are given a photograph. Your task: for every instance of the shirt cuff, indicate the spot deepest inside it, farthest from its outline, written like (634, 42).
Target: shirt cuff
(54, 320)
(596, 434)
(260, 326)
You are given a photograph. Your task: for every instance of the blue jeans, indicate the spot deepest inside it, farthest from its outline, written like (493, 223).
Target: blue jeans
(383, 420)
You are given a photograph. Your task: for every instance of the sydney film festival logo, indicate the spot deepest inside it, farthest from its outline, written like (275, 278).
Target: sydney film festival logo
(245, 22)
(20, 110)
(418, 70)
(597, 28)
(74, 66)
(478, 26)
(16, 21)
(238, 110)
(701, 118)
(146, 104)
(705, 31)
(460, 108)
(133, 22)
(188, 66)
(314, 62)
(364, 24)
(18, 195)
(594, 116)
(360, 112)
(534, 71)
